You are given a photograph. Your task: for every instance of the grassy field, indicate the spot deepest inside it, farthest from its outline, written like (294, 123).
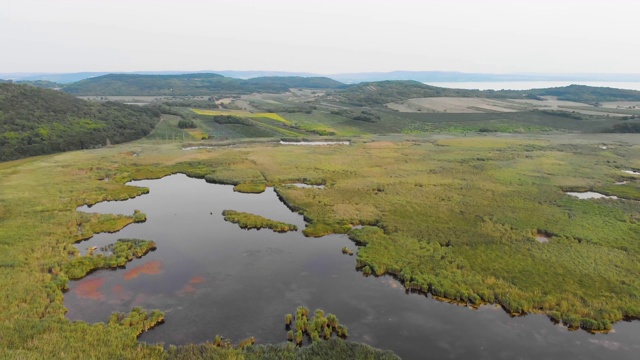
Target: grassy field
(456, 216)
(241, 113)
(249, 124)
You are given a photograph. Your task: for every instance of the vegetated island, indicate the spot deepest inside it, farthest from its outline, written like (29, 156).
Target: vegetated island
(315, 328)
(251, 221)
(111, 256)
(318, 329)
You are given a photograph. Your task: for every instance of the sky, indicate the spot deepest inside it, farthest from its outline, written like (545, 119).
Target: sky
(325, 37)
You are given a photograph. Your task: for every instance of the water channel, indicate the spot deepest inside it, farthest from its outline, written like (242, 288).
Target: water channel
(212, 278)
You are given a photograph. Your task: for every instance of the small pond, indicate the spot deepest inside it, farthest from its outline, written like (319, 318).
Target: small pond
(590, 195)
(211, 277)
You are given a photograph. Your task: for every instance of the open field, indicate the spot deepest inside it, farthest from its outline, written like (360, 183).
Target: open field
(454, 216)
(241, 113)
(633, 105)
(455, 105)
(463, 105)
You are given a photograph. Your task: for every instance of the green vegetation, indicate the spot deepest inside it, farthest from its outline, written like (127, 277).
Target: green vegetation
(440, 229)
(137, 319)
(191, 84)
(315, 328)
(588, 94)
(251, 221)
(346, 250)
(112, 256)
(347, 121)
(235, 176)
(332, 349)
(186, 124)
(36, 121)
(382, 92)
(250, 188)
(626, 127)
(239, 123)
(40, 83)
(230, 119)
(318, 330)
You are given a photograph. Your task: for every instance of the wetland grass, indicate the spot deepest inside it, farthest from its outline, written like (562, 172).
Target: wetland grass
(251, 221)
(250, 188)
(456, 218)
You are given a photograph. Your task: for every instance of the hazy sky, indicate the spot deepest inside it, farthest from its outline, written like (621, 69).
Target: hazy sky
(324, 36)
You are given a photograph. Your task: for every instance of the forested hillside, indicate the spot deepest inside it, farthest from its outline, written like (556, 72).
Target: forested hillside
(35, 121)
(382, 92)
(191, 84)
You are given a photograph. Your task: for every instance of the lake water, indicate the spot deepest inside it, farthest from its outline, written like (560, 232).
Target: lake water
(212, 278)
(590, 195)
(526, 85)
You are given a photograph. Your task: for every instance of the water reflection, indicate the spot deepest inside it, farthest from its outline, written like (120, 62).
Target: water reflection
(210, 277)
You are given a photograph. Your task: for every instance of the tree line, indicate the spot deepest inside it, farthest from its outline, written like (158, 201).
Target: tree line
(36, 121)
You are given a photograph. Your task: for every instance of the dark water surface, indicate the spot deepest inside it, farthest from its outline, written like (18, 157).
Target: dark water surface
(212, 278)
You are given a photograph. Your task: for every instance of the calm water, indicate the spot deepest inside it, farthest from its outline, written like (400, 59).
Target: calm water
(526, 85)
(210, 277)
(590, 195)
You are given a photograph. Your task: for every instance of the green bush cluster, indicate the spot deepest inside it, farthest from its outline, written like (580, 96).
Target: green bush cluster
(137, 319)
(332, 349)
(316, 328)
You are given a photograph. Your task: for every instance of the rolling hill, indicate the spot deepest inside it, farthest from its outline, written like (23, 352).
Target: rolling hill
(35, 121)
(382, 92)
(192, 85)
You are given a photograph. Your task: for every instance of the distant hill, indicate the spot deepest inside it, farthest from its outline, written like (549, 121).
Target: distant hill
(382, 92)
(350, 78)
(191, 84)
(455, 76)
(40, 83)
(35, 121)
(586, 94)
(62, 78)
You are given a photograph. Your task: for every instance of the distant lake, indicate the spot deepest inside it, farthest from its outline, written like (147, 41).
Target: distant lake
(212, 278)
(526, 85)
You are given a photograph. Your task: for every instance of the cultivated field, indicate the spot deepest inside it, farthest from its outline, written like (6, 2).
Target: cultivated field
(456, 105)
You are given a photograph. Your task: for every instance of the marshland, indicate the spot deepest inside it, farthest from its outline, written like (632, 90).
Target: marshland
(432, 225)
(466, 229)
